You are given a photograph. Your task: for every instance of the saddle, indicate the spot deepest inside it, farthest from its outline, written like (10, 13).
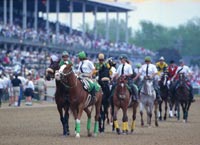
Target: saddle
(89, 85)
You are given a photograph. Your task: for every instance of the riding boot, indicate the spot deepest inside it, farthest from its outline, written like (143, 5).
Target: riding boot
(158, 97)
(134, 94)
(191, 94)
(92, 92)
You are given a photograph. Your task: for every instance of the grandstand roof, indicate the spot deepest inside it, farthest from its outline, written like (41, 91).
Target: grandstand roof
(64, 5)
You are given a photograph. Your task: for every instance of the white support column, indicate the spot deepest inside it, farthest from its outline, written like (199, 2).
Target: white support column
(83, 18)
(127, 34)
(24, 14)
(36, 15)
(11, 12)
(71, 16)
(107, 25)
(117, 30)
(95, 22)
(5, 12)
(57, 19)
(47, 16)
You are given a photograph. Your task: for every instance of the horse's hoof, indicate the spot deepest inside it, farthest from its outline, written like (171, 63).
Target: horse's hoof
(184, 121)
(160, 118)
(77, 135)
(89, 134)
(118, 131)
(95, 134)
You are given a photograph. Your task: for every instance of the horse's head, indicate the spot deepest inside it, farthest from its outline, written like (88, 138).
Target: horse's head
(64, 72)
(182, 79)
(164, 78)
(148, 86)
(122, 86)
(51, 70)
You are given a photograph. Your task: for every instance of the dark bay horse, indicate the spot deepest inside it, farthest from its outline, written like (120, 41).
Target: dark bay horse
(61, 96)
(122, 100)
(147, 99)
(182, 94)
(164, 93)
(80, 99)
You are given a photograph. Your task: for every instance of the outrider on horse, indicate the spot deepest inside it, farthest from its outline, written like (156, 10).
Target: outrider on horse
(103, 77)
(122, 100)
(164, 93)
(80, 99)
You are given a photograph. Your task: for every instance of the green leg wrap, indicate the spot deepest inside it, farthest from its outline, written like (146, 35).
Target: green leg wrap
(78, 127)
(96, 127)
(89, 124)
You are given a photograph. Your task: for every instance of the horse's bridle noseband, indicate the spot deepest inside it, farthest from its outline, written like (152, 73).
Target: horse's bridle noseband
(66, 74)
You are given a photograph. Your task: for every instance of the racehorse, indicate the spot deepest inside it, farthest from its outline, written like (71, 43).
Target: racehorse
(104, 105)
(147, 97)
(122, 100)
(80, 99)
(61, 97)
(164, 93)
(182, 94)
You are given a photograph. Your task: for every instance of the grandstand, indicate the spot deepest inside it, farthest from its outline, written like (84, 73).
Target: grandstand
(21, 29)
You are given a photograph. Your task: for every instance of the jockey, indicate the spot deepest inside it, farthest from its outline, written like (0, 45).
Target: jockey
(149, 69)
(86, 68)
(54, 58)
(113, 69)
(188, 73)
(65, 59)
(126, 69)
(102, 69)
(172, 68)
(136, 71)
(161, 66)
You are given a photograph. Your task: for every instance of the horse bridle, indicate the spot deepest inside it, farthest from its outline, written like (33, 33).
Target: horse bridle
(66, 74)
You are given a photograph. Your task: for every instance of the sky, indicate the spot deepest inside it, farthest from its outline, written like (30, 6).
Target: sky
(169, 13)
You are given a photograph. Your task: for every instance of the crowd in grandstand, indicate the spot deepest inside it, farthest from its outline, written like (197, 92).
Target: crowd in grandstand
(72, 41)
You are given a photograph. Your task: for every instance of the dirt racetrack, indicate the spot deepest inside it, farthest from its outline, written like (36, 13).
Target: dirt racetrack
(40, 124)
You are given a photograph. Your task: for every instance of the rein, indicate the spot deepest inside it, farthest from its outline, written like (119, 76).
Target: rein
(66, 74)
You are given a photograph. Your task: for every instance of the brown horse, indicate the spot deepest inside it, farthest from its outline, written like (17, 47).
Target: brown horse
(80, 99)
(182, 94)
(122, 100)
(164, 93)
(61, 97)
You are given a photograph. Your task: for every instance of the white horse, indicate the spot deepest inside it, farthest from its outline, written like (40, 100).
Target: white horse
(147, 98)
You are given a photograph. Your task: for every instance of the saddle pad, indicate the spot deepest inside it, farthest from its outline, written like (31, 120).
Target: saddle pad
(88, 84)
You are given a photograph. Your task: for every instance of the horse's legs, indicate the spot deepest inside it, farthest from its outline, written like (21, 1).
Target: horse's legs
(62, 119)
(160, 110)
(97, 112)
(116, 125)
(187, 109)
(178, 110)
(141, 114)
(88, 112)
(125, 120)
(155, 113)
(135, 104)
(165, 115)
(66, 119)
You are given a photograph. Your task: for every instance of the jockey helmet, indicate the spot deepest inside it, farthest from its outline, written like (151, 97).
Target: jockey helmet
(54, 58)
(162, 58)
(123, 56)
(138, 65)
(181, 61)
(101, 56)
(172, 61)
(147, 59)
(65, 53)
(82, 55)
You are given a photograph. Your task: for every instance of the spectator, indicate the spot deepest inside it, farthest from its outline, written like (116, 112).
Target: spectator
(29, 88)
(16, 83)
